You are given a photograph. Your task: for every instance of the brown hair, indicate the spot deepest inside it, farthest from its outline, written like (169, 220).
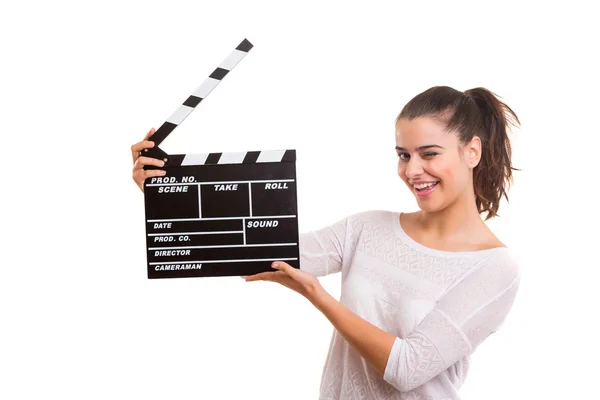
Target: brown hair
(476, 112)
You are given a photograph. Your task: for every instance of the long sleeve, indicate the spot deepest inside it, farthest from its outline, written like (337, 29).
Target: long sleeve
(322, 251)
(467, 314)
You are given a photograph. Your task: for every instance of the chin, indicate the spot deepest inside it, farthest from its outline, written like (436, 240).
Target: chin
(430, 208)
(431, 204)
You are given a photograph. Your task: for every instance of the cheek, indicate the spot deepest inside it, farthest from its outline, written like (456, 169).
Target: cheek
(401, 170)
(402, 175)
(449, 172)
(442, 168)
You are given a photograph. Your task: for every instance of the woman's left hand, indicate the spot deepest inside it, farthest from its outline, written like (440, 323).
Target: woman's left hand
(299, 281)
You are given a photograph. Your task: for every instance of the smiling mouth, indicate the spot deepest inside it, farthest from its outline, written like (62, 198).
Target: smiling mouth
(425, 187)
(424, 190)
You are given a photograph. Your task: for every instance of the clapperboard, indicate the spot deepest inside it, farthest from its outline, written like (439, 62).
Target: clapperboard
(219, 214)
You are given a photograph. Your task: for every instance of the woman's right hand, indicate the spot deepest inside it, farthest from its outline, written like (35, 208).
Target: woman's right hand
(139, 174)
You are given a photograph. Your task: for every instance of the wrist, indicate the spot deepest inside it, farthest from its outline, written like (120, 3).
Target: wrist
(318, 296)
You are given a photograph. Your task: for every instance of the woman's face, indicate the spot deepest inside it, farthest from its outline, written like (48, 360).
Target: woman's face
(433, 164)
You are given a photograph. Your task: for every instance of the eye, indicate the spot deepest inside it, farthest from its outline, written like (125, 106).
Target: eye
(430, 154)
(403, 156)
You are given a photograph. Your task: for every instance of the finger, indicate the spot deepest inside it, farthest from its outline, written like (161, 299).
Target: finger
(144, 144)
(154, 172)
(139, 173)
(137, 148)
(140, 176)
(150, 133)
(262, 276)
(284, 267)
(141, 161)
(256, 277)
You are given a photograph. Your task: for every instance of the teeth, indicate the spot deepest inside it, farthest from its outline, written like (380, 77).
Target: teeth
(424, 185)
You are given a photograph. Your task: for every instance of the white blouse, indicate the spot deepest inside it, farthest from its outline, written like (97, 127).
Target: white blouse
(440, 305)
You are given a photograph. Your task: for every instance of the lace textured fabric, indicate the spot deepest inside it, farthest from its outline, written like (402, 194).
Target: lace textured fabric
(440, 305)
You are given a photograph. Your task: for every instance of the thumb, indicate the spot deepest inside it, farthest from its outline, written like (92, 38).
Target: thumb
(285, 267)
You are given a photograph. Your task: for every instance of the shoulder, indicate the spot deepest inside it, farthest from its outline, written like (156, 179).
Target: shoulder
(357, 223)
(499, 267)
(490, 241)
(373, 215)
(492, 283)
(373, 219)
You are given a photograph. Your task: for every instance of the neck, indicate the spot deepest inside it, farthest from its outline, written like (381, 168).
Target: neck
(459, 217)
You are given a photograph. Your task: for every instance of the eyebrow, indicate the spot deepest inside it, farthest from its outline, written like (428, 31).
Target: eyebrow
(429, 146)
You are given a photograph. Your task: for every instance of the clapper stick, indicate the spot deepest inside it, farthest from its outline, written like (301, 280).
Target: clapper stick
(195, 98)
(219, 214)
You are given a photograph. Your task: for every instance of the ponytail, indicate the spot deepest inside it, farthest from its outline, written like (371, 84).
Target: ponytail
(492, 177)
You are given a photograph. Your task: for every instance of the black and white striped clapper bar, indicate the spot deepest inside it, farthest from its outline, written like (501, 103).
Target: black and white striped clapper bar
(219, 214)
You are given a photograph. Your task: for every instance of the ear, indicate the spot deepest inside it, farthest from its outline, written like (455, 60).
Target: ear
(473, 152)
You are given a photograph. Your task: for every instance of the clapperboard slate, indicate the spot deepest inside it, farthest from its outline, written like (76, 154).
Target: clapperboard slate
(219, 214)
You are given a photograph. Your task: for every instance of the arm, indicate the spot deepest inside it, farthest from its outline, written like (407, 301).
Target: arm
(462, 319)
(321, 250)
(373, 344)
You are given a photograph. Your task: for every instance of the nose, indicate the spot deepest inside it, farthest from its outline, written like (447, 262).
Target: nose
(413, 168)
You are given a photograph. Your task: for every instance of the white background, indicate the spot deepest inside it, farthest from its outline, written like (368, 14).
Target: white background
(82, 81)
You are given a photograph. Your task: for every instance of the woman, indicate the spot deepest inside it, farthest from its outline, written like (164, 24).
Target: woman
(420, 290)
